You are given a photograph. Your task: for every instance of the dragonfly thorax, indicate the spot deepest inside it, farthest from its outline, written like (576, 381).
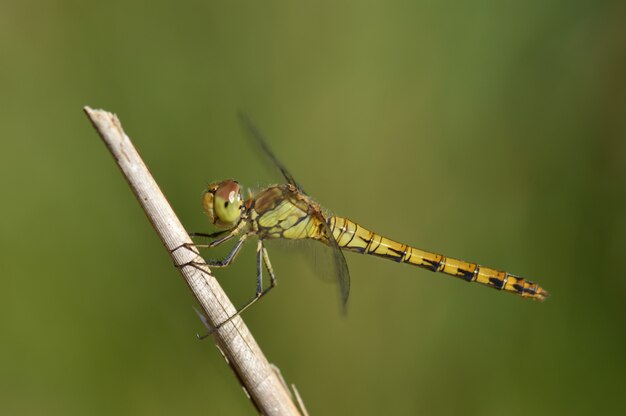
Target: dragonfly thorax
(222, 202)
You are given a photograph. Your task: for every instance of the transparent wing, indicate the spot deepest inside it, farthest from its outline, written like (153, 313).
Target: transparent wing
(338, 265)
(256, 135)
(340, 268)
(321, 259)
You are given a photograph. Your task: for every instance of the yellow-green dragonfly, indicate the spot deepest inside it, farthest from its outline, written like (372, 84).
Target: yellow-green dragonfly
(286, 211)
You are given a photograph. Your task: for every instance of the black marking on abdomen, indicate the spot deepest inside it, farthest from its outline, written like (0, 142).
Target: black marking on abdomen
(465, 275)
(433, 266)
(495, 282)
(367, 242)
(359, 250)
(399, 253)
(518, 288)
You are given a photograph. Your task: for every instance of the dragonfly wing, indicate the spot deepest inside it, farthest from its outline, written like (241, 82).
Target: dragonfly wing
(340, 267)
(255, 134)
(338, 263)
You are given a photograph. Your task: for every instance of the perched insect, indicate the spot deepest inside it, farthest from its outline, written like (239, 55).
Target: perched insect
(286, 211)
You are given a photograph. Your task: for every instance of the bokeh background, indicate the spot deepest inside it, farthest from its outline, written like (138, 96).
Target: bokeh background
(489, 131)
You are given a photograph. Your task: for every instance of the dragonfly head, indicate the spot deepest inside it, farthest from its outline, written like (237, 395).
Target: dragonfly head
(222, 203)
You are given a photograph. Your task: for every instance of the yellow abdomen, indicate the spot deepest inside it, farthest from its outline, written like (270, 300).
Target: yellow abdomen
(353, 237)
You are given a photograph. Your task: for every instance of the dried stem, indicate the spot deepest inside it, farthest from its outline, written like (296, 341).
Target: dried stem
(242, 353)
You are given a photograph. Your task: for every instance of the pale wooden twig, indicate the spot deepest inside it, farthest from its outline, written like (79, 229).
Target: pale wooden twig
(258, 378)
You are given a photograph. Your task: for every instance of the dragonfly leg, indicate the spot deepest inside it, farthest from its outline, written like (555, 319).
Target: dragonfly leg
(218, 263)
(219, 241)
(262, 259)
(231, 256)
(224, 235)
(259, 270)
(191, 246)
(268, 266)
(211, 235)
(226, 261)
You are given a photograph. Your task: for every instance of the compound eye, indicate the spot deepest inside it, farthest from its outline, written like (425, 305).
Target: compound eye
(227, 202)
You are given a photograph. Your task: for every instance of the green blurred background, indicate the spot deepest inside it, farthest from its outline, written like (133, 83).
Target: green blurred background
(489, 131)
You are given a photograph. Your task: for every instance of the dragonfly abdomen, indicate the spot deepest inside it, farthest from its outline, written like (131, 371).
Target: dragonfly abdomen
(353, 237)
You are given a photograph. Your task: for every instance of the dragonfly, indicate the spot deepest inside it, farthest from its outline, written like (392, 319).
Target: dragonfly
(286, 211)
